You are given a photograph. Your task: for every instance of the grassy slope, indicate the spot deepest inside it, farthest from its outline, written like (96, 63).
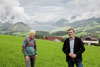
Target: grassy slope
(83, 29)
(60, 29)
(22, 33)
(49, 53)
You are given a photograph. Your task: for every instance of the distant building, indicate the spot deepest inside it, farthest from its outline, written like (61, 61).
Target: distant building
(57, 39)
(39, 36)
(90, 39)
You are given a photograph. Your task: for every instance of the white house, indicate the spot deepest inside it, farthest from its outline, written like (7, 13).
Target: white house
(90, 39)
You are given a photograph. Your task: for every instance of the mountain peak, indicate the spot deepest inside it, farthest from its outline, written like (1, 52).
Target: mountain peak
(20, 26)
(61, 22)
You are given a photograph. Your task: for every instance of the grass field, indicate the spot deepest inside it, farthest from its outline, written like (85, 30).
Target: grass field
(22, 33)
(49, 53)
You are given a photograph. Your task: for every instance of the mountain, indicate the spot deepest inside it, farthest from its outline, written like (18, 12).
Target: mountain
(42, 26)
(5, 26)
(88, 25)
(91, 25)
(19, 26)
(48, 26)
(63, 25)
(73, 17)
(49, 23)
(60, 23)
(0, 23)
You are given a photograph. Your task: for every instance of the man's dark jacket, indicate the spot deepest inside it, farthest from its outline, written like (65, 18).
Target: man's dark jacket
(78, 49)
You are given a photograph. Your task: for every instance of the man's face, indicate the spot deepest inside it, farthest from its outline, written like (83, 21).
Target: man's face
(31, 35)
(71, 33)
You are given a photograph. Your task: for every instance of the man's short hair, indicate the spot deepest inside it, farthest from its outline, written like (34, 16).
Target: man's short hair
(70, 29)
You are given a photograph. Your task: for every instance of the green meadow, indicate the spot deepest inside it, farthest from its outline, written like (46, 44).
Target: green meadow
(49, 53)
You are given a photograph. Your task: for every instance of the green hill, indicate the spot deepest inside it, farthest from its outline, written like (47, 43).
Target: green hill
(5, 26)
(20, 27)
(49, 53)
(91, 25)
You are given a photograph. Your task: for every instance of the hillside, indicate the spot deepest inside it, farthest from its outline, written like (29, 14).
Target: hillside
(91, 25)
(60, 23)
(19, 26)
(88, 25)
(49, 53)
(5, 26)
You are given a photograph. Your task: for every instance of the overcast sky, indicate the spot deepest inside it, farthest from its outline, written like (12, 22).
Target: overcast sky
(47, 10)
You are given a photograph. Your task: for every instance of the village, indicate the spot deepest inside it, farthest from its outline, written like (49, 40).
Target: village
(86, 39)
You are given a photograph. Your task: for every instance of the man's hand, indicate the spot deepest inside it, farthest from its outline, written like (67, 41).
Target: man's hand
(35, 56)
(72, 55)
(26, 58)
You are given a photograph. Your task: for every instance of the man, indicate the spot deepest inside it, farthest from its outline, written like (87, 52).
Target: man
(29, 49)
(73, 48)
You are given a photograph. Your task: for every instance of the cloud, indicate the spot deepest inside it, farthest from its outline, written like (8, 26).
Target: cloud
(84, 8)
(30, 3)
(10, 11)
(47, 10)
(53, 10)
(46, 13)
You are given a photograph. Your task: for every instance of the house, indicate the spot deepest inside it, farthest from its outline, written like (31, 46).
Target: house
(57, 39)
(39, 36)
(90, 39)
